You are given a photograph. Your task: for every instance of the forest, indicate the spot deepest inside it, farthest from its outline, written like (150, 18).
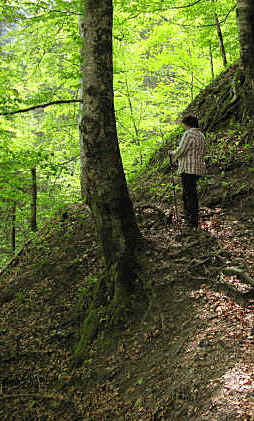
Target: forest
(110, 309)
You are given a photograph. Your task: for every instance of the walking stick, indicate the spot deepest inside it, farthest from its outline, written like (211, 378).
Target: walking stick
(174, 190)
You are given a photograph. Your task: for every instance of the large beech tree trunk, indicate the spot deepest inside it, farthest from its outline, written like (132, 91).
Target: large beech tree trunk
(82, 152)
(245, 19)
(106, 190)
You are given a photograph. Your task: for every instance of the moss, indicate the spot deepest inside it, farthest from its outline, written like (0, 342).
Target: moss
(107, 322)
(88, 333)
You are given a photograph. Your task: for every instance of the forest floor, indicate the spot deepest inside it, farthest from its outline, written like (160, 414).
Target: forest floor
(191, 358)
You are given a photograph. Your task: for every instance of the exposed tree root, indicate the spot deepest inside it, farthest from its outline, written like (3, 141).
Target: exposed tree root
(238, 272)
(114, 306)
(229, 97)
(167, 220)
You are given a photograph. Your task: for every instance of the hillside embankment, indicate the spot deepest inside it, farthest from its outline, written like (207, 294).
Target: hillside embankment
(191, 357)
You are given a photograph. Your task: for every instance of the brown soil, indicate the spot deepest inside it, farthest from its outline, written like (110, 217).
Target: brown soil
(191, 358)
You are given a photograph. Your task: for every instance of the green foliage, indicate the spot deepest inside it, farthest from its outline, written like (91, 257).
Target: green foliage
(20, 297)
(161, 62)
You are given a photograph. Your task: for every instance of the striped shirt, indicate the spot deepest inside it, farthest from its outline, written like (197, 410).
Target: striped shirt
(190, 152)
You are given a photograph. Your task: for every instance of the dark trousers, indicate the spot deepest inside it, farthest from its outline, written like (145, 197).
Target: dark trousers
(190, 198)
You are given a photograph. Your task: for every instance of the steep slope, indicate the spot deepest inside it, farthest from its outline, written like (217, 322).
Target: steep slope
(229, 143)
(191, 357)
(225, 101)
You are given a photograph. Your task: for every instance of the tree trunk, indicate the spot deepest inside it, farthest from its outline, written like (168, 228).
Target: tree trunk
(192, 80)
(131, 111)
(245, 20)
(211, 59)
(220, 36)
(106, 190)
(82, 153)
(34, 201)
(192, 86)
(13, 228)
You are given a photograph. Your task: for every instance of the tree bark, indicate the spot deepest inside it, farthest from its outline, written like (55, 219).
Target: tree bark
(211, 59)
(192, 86)
(220, 36)
(34, 201)
(82, 152)
(245, 20)
(106, 191)
(131, 110)
(13, 228)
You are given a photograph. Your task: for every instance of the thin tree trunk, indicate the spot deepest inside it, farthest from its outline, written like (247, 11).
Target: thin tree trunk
(192, 86)
(106, 190)
(34, 201)
(131, 110)
(82, 152)
(211, 59)
(192, 79)
(245, 20)
(13, 228)
(220, 36)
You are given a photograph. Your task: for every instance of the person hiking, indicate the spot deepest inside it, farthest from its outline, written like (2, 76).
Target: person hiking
(191, 166)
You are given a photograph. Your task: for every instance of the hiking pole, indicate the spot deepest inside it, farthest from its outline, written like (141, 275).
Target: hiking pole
(174, 191)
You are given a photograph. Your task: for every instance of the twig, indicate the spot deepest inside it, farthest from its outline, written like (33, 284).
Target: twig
(159, 10)
(200, 26)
